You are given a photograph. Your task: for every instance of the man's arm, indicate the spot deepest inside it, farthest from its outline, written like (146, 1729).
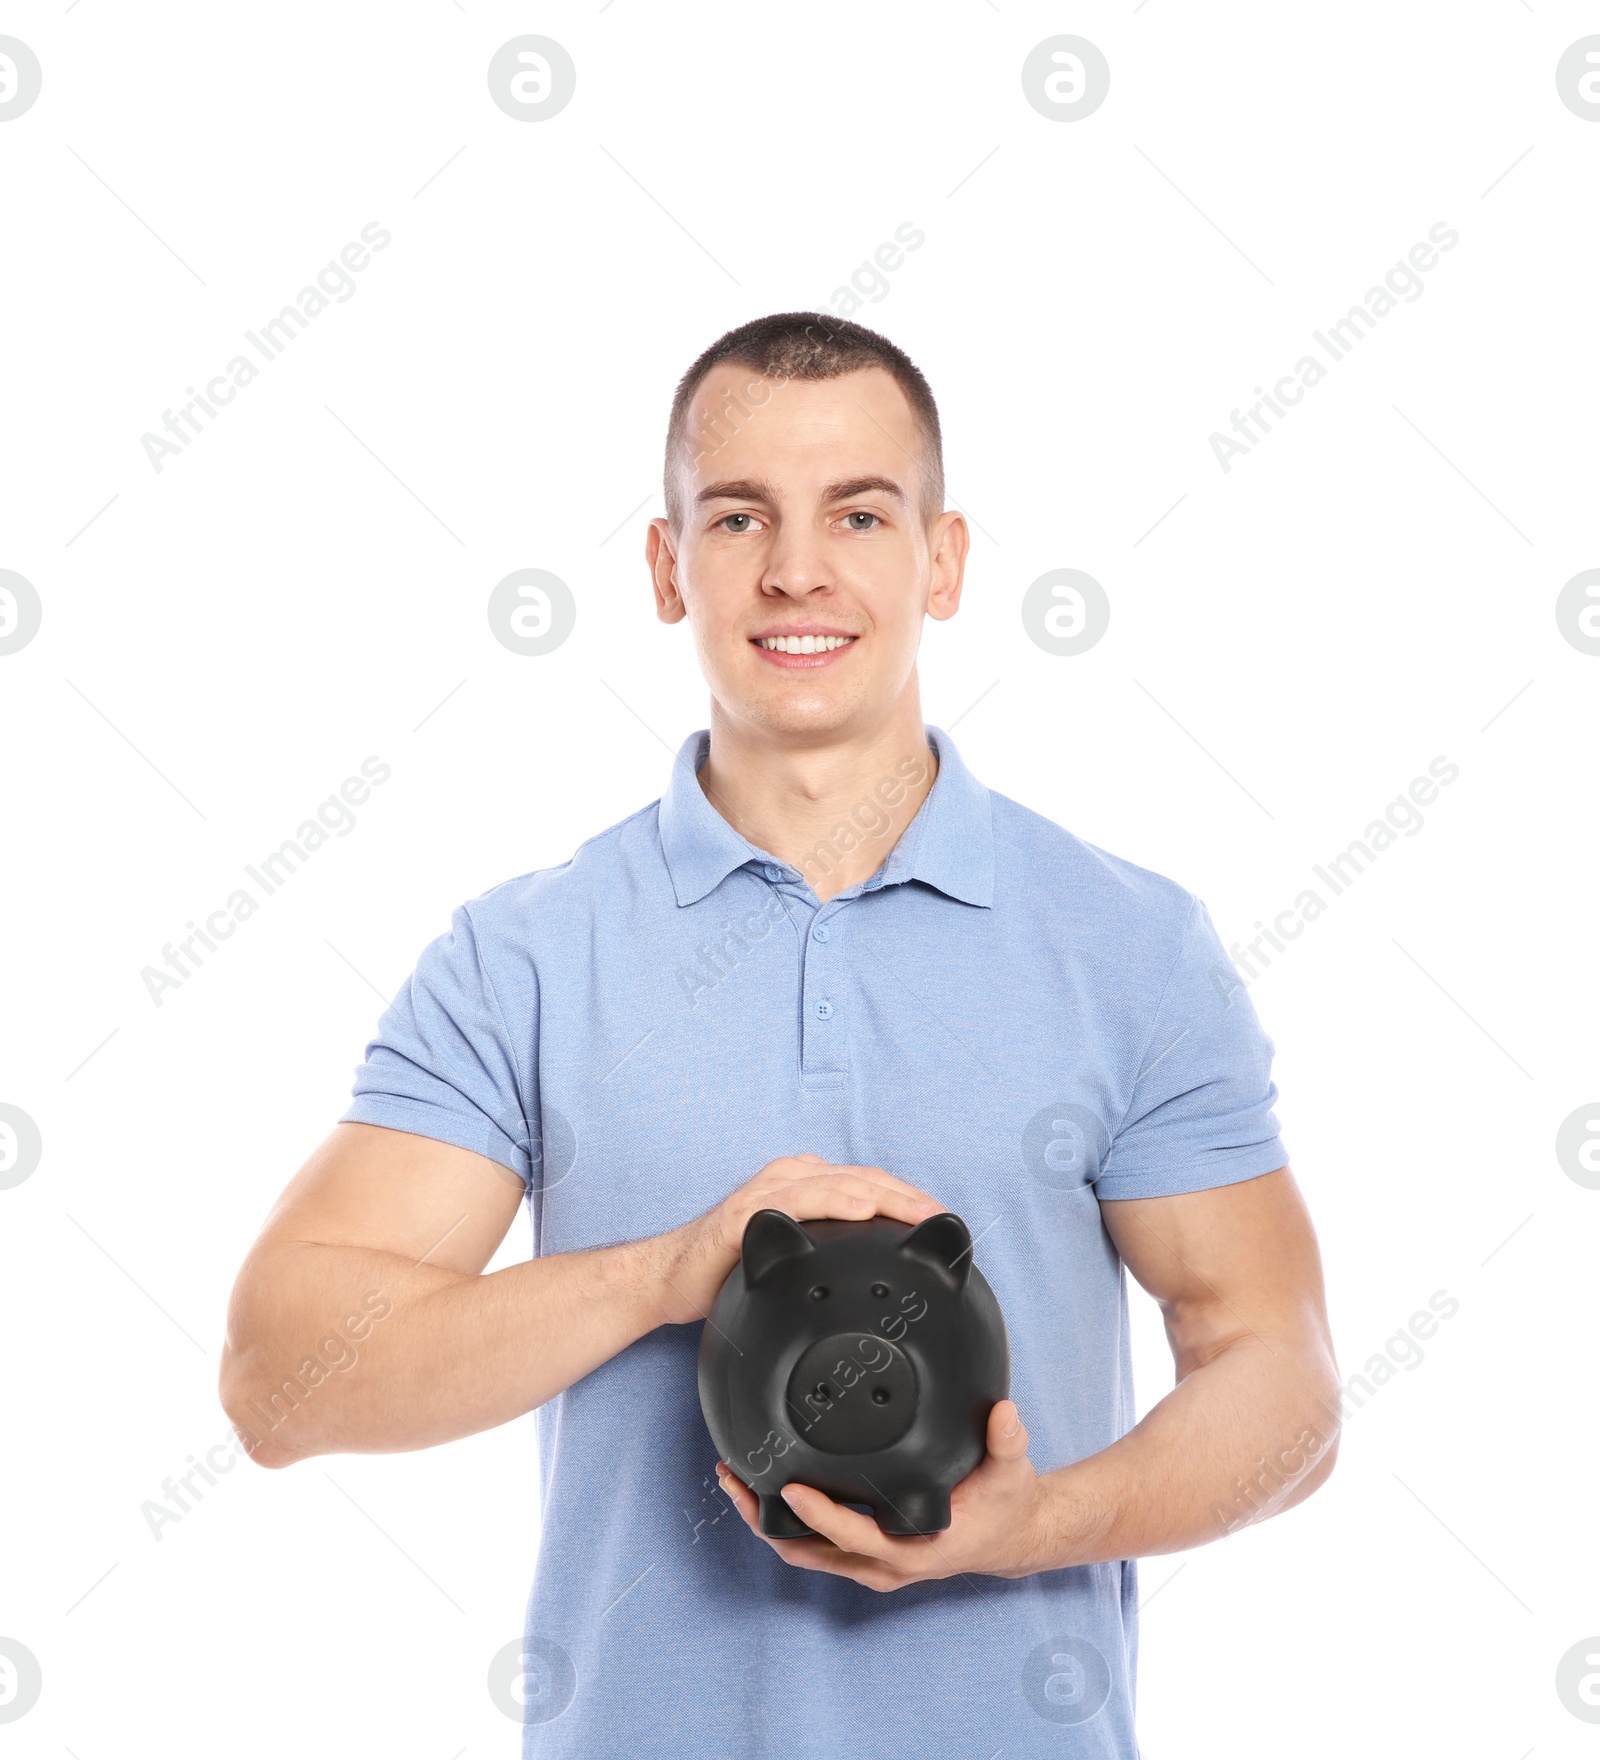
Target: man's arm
(1249, 1429)
(362, 1322)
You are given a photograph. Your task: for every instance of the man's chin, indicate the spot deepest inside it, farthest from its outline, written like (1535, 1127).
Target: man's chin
(795, 712)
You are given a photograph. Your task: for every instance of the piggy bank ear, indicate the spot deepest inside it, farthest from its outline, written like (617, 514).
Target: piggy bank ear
(771, 1239)
(943, 1241)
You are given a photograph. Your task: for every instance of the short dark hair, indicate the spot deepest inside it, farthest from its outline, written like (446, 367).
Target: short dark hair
(809, 345)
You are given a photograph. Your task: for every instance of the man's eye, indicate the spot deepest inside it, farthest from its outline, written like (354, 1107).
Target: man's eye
(724, 522)
(860, 514)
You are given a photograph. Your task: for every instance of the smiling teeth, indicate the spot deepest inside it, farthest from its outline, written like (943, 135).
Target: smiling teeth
(804, 644)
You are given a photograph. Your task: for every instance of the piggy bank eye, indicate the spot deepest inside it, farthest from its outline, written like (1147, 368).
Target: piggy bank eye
(880, 1289)
(819, 1292)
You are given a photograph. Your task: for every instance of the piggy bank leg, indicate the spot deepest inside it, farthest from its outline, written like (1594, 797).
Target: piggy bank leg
(915, 1512)
(778, 1521)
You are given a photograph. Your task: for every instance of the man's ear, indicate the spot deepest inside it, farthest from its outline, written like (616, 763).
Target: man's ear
(948, 543)
(661, 554)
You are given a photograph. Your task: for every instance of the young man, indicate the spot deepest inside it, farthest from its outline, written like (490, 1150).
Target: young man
(828, 972)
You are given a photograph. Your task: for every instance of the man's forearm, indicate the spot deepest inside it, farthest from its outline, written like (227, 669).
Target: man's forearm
(408, 1355)
(1249, 1433)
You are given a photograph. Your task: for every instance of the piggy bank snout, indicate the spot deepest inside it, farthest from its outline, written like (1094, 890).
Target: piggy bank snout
(853, 1393)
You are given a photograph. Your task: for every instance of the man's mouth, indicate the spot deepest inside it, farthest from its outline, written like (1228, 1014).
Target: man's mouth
(802, 644)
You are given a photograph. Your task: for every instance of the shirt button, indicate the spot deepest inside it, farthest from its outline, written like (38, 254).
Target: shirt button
(774, 873)
(821, 932)
(824, 1009)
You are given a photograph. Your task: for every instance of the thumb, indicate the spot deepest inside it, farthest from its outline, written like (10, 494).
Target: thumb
(1008, 1437)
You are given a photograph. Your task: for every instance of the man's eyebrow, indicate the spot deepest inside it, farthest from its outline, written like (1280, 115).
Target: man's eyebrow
(851, 487)
(847, 489)
(738, 489)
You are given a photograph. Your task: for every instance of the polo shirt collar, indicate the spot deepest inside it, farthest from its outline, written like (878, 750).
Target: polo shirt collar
(949, 844)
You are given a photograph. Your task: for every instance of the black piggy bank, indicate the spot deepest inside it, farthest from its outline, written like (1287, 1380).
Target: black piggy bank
(862, 1358)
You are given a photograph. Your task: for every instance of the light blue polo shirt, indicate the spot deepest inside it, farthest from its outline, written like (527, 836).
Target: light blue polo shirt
(1004, 1015)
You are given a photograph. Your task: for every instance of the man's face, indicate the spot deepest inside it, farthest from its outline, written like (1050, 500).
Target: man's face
(803, 518)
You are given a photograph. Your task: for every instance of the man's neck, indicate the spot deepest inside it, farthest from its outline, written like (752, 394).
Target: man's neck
(833, 810)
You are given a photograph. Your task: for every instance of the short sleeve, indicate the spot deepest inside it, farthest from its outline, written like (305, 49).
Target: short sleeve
(1201, 1108)
(444, 1063)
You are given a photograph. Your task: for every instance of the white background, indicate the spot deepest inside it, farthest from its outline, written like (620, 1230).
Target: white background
(224, 641)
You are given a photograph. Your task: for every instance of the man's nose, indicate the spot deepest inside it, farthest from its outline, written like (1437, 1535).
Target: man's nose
(797, 566)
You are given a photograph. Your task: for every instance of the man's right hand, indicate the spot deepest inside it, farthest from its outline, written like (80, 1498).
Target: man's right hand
(688, 1265)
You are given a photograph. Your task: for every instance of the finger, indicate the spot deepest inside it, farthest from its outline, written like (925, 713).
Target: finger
(876, 1176)
(818, 1555)
(879, 1176)
(807, 1554)
(1007, 1436)
(739, 1495)
(848, 1529)
(854, 1198)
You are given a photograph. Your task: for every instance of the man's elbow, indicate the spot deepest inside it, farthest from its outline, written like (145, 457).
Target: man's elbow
(1318, 1443)
(1322, 1466)
(269, 1454)
(259, 1414)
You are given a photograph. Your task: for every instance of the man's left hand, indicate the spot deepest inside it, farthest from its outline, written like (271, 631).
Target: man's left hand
(997, 1522)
